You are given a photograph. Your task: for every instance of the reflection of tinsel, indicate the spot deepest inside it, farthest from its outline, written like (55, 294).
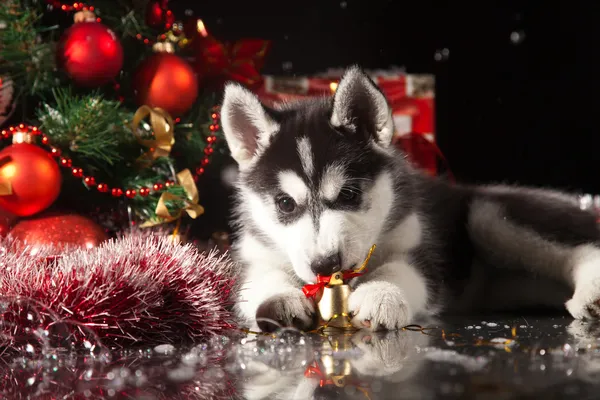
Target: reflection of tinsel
(162, 372)
(139, 288)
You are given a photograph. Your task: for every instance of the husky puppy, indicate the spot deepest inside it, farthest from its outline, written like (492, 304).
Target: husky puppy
(319, 183)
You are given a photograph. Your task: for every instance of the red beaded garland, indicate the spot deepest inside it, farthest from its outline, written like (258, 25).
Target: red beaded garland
(77, 172)
(69, 7)
(90, 181)
(77, 6)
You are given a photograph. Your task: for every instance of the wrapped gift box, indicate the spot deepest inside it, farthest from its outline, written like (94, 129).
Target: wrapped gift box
(410, 96)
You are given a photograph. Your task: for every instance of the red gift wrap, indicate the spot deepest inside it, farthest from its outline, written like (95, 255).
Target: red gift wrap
(410, 96)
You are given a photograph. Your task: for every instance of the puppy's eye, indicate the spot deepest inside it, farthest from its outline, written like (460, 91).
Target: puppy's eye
(348, 195)
(285, 204)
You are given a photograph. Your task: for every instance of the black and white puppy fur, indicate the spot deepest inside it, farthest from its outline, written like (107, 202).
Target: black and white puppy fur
(319, 183)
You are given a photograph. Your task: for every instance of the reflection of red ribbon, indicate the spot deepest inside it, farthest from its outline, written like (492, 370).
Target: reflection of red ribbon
(311, 289)
(314, 371)
(240, 61)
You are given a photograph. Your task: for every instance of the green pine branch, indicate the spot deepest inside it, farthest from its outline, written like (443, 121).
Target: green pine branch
(96, 131)
(27, 54)
(193, 130)
(125, 17)
(160, 171)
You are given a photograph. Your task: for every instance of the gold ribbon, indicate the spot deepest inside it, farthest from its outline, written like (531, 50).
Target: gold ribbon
(163, 128)
(192, 208)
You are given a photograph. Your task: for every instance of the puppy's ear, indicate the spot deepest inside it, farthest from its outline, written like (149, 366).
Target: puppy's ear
(246, 124)
(360, 107)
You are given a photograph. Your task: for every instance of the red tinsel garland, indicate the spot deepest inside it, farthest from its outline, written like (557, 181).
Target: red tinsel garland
(136, 289)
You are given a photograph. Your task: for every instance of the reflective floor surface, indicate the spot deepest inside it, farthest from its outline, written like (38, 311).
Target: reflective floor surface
(488, 358)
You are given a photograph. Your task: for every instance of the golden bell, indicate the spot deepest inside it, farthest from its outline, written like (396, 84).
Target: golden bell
(333, 303)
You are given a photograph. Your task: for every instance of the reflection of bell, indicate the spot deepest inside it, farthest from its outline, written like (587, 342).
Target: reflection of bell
(337, 371)
(333, 303)
(334, 368)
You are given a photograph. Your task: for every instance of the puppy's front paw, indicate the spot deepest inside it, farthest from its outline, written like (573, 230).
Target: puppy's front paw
(290, 309)
(379, 306)
(585, 303)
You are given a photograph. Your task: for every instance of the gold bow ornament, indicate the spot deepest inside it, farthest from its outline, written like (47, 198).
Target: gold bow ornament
(163, 130)
(192, 208)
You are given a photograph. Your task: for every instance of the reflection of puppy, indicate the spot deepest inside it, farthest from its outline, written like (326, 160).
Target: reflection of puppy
(389, 355)
(264, 382)
(586, 336)
(383, 356)
(584, 333)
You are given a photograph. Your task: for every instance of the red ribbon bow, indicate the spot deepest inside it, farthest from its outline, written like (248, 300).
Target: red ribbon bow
(311, 289)
(240, 61)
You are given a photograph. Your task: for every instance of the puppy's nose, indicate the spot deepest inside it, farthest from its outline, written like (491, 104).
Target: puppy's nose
(326, 265)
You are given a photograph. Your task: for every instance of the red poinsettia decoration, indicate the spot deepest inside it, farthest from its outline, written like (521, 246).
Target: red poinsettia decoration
(240, 61)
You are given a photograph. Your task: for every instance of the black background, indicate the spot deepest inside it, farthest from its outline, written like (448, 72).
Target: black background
(514, 111)
(517, 112)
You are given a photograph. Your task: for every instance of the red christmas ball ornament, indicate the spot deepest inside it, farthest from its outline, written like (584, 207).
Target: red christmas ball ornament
(59, 230)
(158, 14)
(167, 81)
(90, 53)
(29, 179)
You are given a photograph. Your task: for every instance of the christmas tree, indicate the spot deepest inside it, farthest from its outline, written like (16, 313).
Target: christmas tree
(123, 96)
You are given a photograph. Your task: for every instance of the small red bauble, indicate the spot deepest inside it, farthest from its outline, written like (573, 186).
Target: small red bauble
(34, 178)
(59, 230)
(90, 53)
(167, 81)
